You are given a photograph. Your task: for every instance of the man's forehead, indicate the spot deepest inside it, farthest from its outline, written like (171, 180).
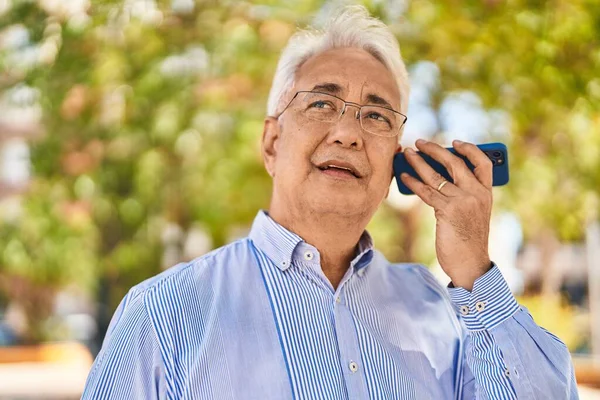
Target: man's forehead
(358, 74)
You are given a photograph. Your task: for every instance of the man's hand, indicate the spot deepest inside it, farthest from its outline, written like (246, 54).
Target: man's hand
(462, 209)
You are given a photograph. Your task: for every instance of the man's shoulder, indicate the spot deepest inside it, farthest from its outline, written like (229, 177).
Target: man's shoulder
(406, 268)
(413, 275)
(179, 275)
(418, 272)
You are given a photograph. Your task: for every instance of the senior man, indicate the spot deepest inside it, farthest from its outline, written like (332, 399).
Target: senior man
(305, 307)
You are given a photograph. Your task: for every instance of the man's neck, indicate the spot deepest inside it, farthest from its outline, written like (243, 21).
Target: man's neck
(335, 237)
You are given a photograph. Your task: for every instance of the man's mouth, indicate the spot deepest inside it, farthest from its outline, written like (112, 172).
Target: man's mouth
(338, 171)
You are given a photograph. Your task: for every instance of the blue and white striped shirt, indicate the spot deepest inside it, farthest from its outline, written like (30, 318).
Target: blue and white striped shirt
(258, 319)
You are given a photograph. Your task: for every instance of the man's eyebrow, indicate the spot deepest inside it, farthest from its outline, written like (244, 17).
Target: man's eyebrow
(375, 99)
(334, 88)
(328, 87)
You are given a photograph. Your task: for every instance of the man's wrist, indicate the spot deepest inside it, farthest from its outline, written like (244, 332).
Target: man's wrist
(489, 303)
(467, 280)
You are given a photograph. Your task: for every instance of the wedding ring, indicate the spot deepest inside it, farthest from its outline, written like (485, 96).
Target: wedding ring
(442, 185)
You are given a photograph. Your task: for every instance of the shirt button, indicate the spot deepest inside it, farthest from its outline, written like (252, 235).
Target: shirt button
(464, 310)
(353, 366)
(308, 256)
(338, 300)
(284, 263)
(480, 306)
(507, 372)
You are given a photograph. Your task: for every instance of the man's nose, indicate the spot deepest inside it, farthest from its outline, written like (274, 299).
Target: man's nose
(348, 131)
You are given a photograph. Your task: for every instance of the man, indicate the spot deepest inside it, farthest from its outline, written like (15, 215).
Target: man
(305, 307)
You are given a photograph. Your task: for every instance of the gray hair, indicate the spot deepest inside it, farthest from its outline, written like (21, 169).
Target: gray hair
(351, 27)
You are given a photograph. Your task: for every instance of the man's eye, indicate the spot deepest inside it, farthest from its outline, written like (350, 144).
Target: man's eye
(320, 104)
(378, 117)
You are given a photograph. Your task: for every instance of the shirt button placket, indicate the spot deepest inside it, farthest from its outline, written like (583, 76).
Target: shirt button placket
(348, 345)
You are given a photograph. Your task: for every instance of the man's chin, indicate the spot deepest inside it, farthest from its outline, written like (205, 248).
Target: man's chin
(337, 203)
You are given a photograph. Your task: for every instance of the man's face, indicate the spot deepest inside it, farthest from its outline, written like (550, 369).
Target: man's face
(296, 153)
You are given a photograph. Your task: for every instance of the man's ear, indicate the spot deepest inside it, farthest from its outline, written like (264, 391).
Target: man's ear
(270, 138)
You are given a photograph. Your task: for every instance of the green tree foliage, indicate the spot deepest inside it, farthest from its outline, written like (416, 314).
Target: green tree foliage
(539, 61)
(152, 116)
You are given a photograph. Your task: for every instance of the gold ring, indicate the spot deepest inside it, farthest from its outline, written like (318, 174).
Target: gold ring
(442, 185)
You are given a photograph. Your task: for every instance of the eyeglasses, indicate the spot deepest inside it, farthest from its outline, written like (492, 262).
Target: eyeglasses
(325, 107)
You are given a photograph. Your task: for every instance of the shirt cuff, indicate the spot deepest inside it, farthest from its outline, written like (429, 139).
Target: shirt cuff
(488, 305)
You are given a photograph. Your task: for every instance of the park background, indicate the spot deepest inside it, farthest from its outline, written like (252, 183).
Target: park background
(130, 141)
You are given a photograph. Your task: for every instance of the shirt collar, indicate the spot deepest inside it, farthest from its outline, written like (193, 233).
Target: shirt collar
(279, 244)
(364, 252)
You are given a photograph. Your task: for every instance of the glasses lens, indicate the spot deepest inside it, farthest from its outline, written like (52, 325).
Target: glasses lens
(381, 121)
(323, 107)
(319, 106)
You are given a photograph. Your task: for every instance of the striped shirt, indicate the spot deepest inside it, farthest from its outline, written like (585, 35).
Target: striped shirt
(258, 319)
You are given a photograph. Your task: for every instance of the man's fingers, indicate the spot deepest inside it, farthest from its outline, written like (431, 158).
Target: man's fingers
(428, 194)
(483, 165)
(429, 175)
(458, 170)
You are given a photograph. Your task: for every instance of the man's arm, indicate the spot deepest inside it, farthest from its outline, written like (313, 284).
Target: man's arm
(129, 365)
(508, 356)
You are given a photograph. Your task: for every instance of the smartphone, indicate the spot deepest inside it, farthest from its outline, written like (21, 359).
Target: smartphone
(496, 152)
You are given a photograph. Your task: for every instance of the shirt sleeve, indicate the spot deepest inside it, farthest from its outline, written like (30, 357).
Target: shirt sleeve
(129, 364)
(508, 356)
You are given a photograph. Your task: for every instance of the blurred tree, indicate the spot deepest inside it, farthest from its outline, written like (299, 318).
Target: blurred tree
(538, 61)
(151, 120)
(153, 110)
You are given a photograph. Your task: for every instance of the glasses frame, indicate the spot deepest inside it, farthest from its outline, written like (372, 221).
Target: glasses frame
(346, 103)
